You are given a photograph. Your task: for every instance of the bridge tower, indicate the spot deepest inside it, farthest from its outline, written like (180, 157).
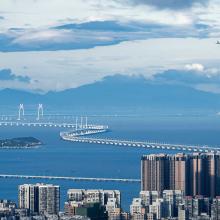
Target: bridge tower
(40, 111)
(81, 122)
(86, 122)
(76, 123)
(20, 111)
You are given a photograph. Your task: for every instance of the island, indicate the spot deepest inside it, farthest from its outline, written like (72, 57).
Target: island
(20, 143)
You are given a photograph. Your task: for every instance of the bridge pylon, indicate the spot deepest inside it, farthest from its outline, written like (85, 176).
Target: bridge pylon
(81, 122)
(20, 111)
(40, 112)
(86, 122)
(76, 123)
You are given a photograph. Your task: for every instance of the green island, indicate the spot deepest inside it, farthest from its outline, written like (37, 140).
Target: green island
(20, 143)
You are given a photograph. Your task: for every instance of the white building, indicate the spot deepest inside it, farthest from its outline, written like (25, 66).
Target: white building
(136, 207)
(39, 198)
(94, 196)
(148, 197)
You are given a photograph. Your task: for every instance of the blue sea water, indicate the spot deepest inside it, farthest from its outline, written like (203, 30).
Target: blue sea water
(60, 158)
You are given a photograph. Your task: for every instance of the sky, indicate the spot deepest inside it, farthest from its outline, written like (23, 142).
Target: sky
(53, 45)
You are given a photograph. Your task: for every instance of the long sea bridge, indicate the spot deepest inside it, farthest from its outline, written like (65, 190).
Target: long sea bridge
(50, 124)
(81, 137)
(87, 179)
(50, 120)
(81, 131)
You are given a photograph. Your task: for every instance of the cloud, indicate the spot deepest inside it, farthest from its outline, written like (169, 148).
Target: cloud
(43, 13)
(195, 67)
(88, 35)
(27, 20)
(65, 39)
(43, 37)
(190, 78)
(171, 4)
(7, 75)
(109, 26)
(70, 36)
(2, 18)
(197, 76)
(63, 69)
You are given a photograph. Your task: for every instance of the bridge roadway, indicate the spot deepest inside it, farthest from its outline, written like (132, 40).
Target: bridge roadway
(50, 124)
(140, 144)
(92, 179)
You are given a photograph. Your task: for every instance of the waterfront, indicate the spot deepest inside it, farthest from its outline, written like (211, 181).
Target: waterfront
(60, 158)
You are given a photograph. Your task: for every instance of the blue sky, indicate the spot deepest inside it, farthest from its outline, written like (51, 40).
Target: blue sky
(59, 44)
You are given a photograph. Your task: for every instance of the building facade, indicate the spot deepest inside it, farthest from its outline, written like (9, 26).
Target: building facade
(39, 198)
(195, 174)
(108, 201)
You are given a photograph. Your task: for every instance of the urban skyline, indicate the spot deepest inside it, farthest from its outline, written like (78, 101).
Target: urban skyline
(109, 110)
(154, 203)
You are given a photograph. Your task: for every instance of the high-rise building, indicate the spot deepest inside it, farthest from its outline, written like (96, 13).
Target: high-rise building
(28, 197)
(172, 204)
(137, 210)
(195, 174)
(153, 171)
(94, 196)
(40, 198)
(109, 202)
(215, 208)
(148, 197)
(182, 213)
(49, 199)
(177, 168)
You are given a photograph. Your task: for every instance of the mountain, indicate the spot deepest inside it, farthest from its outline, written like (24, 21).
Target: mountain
(10, 97)
(119, 94)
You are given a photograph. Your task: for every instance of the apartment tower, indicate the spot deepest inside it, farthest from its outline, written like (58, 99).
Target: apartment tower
(195, 174)
(39, 198)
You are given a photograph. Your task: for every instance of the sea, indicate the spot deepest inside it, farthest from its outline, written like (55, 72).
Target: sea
(61, 158)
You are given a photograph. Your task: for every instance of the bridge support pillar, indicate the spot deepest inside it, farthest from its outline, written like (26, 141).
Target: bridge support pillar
(40, 112)
(20, 111)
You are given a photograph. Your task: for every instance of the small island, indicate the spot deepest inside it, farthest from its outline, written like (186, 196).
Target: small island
(20, 143)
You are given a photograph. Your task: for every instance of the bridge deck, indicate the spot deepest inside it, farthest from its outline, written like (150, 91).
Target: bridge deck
(140, 144)
(94, 179)
(51, 124)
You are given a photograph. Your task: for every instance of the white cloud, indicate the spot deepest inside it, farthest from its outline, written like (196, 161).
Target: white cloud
(58, 70)
(195, 67)
(43, 13)
(214, 88)
(43, 36)
(209, 16)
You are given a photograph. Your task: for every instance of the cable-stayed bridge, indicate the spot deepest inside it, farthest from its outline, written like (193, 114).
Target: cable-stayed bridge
(51, 124)
(76, 136)
(50, 120)
(80, 129)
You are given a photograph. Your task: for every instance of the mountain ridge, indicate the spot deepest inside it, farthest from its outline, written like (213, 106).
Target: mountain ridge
(118, 92)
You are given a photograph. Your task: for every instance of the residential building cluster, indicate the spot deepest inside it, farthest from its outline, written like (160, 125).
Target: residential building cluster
(172, 204)
(194, 174)
(181, 187)
(42, 201)
(101, 204)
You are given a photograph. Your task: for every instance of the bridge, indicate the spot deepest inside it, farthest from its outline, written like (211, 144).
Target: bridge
(51, 124)
(81, 128)
(79, 137)
(40, 120)
(88, 179)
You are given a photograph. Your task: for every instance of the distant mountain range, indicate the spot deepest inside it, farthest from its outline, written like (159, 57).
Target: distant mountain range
(118, 94)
